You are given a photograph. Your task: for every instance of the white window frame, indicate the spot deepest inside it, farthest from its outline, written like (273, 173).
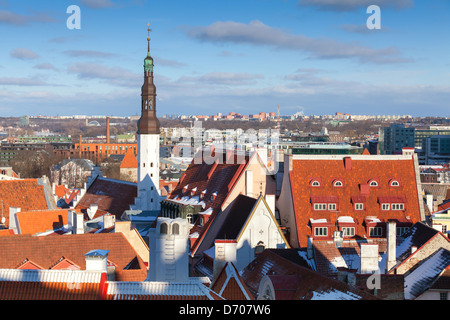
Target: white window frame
(359, 206)
(348, 231)
(401, 230)
(338, 184)
(332, 206)
(385, 206)
(320, 231)
(373, 184)
(315, 183)
(375, 231)
(395, 183)
(398, 206)
(320, 206)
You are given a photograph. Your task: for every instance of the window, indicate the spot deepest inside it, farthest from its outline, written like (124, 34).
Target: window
(321, 231)
(401, 230)
(398, 206)
(163, 228)
(332, 206)
(443, 295)
(338, 184)
(348, 231)
(395, 183)
(320, 206)
(385, 206)
(373, 184)
(375, 231)
(176, 228)
(315, 184)
(359, 206)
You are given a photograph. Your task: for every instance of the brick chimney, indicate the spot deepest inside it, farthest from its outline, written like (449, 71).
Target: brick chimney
(348, 163)
(108, 131)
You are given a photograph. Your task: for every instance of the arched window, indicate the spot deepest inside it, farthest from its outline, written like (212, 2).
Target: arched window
(175, 228)
(163, 228)
(338, 183)
(315, 184)
(373, 183)
(395, 183)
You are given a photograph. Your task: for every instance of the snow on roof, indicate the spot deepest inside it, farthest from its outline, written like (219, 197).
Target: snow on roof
(335, 295)
(422, 277)
(346, 219)
(318, 220)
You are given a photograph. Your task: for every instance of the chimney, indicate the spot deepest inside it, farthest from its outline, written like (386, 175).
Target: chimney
(12, 219)
(108, 131)
(78, 223)
(225, 251)
(96, 260)
(391, 245)
(369, 258)
(109, 220)
(92, 210)
(430, 205)
(348, 163)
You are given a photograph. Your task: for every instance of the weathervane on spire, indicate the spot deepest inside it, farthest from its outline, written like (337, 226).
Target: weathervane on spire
(148, 39)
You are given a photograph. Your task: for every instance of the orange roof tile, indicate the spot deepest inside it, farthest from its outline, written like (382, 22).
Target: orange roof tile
(33, 222)
(355, 173)
(129, 160)
(47, 251)
(26, 194)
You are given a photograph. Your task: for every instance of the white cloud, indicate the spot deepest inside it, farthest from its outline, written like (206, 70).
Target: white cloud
(350, 5)
(24, 54)
(260, 34)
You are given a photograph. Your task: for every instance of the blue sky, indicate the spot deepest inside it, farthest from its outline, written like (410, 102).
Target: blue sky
(310, 56)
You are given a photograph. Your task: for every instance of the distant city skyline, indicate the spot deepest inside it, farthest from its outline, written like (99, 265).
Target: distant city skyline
(315, 57)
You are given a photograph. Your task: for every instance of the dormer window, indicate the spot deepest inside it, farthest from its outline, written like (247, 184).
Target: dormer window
(185, 188)
(394, 183)
(373, 183)
(338, 183)
(315, 182)
(202, 195)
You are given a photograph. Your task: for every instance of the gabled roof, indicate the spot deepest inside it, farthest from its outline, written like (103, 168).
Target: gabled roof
(129, 160)
(215, 180)
(111, 196)
(27, 194)
(416, 236)
(230, 285)
(355, 172)
(291, 281)
(47, 251)
(423, 277)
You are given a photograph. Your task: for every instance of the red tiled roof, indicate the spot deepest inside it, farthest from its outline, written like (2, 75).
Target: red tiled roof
(356, 173)
(47, 251)
(230, 284)
(25, 194)
(129, 160)
(218, 182)
(111, 196)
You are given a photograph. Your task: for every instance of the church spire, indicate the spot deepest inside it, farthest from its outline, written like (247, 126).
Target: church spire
(148, 123)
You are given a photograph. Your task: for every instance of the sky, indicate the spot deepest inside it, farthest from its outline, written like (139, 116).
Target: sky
(313, 57)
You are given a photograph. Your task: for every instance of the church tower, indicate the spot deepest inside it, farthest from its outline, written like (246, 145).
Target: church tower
(148, 142)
